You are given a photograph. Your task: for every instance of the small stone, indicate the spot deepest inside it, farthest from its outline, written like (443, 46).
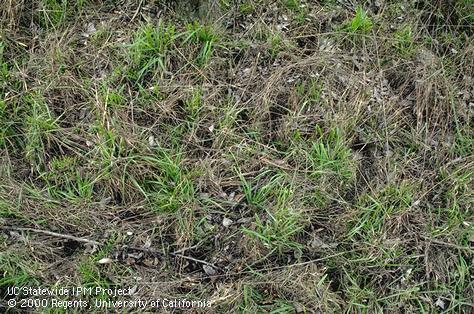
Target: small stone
(147, 244)
(317, 243)
(82, 113)
(209, 270)
(151, 141)
(90, 248)
(105, 200)
(149, 262)
(91, 28)
(226, 222)
(105, 260)
(440, 303)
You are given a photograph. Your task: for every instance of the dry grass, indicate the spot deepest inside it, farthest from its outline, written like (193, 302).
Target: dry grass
(267, 156)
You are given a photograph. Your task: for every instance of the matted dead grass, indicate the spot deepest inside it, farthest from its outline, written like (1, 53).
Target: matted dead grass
(265, 156)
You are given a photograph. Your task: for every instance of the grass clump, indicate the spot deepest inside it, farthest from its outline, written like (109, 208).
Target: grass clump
(246, 7)
(375, 212)
(258, 191)
(465, 11)
(276, 43)
(293, 5)
(66, 180)
(194, 104)
(171, 189)
(15, 272)
(253, 302)
(89, 269)
(458, 198)
(149, 49)
(3, 123)
(39, 126)
(329, 154)
(91, 276)
(53, 12)
(272, 156)
(279, 229)
(205, 37)
(309, 92)
(282, 220)
(111, 146)
(112, 98)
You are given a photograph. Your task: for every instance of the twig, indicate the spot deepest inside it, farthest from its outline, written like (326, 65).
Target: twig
(447, 244)
(195, 260)
(176, 254)
(143, 249)
(51, 233)
(70, 237)
(187, 248)
(136, 11)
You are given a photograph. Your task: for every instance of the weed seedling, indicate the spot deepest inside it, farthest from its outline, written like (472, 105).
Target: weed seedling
(360, 24)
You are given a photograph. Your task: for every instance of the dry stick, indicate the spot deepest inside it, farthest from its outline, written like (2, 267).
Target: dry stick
(70, 237)
(196, 260)
(136, 11)
(54, 234)
(187, 248)
(243, 272)
(176, 254)
(466, 248)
